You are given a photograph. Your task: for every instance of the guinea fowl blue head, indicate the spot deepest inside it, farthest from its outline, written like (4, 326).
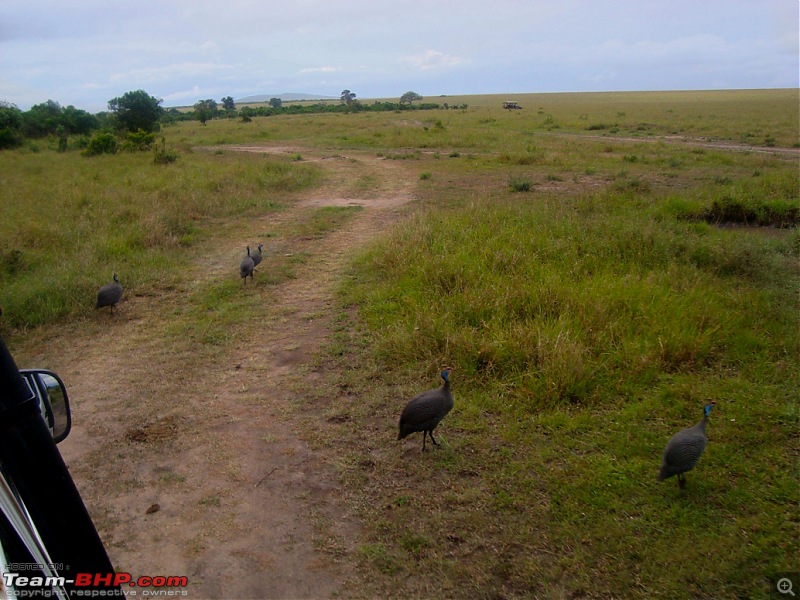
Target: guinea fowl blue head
(708, 407)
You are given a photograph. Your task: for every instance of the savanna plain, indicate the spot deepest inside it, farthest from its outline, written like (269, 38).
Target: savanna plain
(596, 268)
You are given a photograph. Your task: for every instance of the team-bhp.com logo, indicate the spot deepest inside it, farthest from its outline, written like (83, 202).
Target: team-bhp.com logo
(95, 582)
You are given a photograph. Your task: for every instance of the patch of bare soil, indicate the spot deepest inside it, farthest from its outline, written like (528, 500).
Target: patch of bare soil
(195, 464)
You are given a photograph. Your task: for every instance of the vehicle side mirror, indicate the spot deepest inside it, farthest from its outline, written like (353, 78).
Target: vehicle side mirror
(53, 400)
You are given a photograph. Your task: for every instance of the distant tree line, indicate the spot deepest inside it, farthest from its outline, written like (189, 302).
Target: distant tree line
(135, 113)
(133, 119)
(319, 107)
(43, 120)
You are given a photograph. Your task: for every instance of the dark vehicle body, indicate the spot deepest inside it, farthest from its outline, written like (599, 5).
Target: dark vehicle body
(46, 534)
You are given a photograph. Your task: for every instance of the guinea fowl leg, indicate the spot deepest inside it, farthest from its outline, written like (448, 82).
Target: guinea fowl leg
(681, 481)
(424, 439)
(432, 438)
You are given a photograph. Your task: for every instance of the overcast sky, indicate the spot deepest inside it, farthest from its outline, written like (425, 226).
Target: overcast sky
(86, 52)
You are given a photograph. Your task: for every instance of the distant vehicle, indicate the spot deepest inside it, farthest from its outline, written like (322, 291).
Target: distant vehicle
(511, 105)
(47, 537)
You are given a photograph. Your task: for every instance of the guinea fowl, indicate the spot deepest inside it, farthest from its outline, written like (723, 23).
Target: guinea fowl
(424, 411)
(109, 294)
(247, 266)
(256, 256)
(684, 449)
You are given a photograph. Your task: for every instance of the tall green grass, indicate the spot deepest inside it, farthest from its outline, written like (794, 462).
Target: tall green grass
(553, 303)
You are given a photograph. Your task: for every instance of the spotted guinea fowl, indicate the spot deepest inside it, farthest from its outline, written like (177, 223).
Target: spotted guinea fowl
(109, 294)
(684, 449)
(424, 411)
(247, 266)
(256, 256)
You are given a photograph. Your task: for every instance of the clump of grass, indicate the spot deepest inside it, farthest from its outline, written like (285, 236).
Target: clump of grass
(598, 127)
(770, 200)
(746, 212)
(379, 557)
(519, 185)
(521, 159)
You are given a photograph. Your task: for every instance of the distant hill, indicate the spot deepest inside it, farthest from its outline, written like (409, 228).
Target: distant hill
(286, 97)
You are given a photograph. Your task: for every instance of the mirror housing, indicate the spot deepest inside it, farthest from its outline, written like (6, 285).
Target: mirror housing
(53, 400)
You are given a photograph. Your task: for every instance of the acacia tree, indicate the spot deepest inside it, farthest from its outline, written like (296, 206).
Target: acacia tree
(205, 110)
(136, 111)
(228, 103)
(348, 97)
(409, 97)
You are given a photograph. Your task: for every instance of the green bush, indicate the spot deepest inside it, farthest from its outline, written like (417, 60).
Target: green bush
(139, 141)
(101, 143)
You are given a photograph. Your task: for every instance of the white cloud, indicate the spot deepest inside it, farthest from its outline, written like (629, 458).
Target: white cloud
(320, 70)
(151, 75)
(433, 59)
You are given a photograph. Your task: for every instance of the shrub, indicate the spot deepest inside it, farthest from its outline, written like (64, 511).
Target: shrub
(162, 156)
(101, 143)
(9, 138)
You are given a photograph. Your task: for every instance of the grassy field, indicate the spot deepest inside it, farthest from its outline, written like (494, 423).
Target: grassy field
(595, 266)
